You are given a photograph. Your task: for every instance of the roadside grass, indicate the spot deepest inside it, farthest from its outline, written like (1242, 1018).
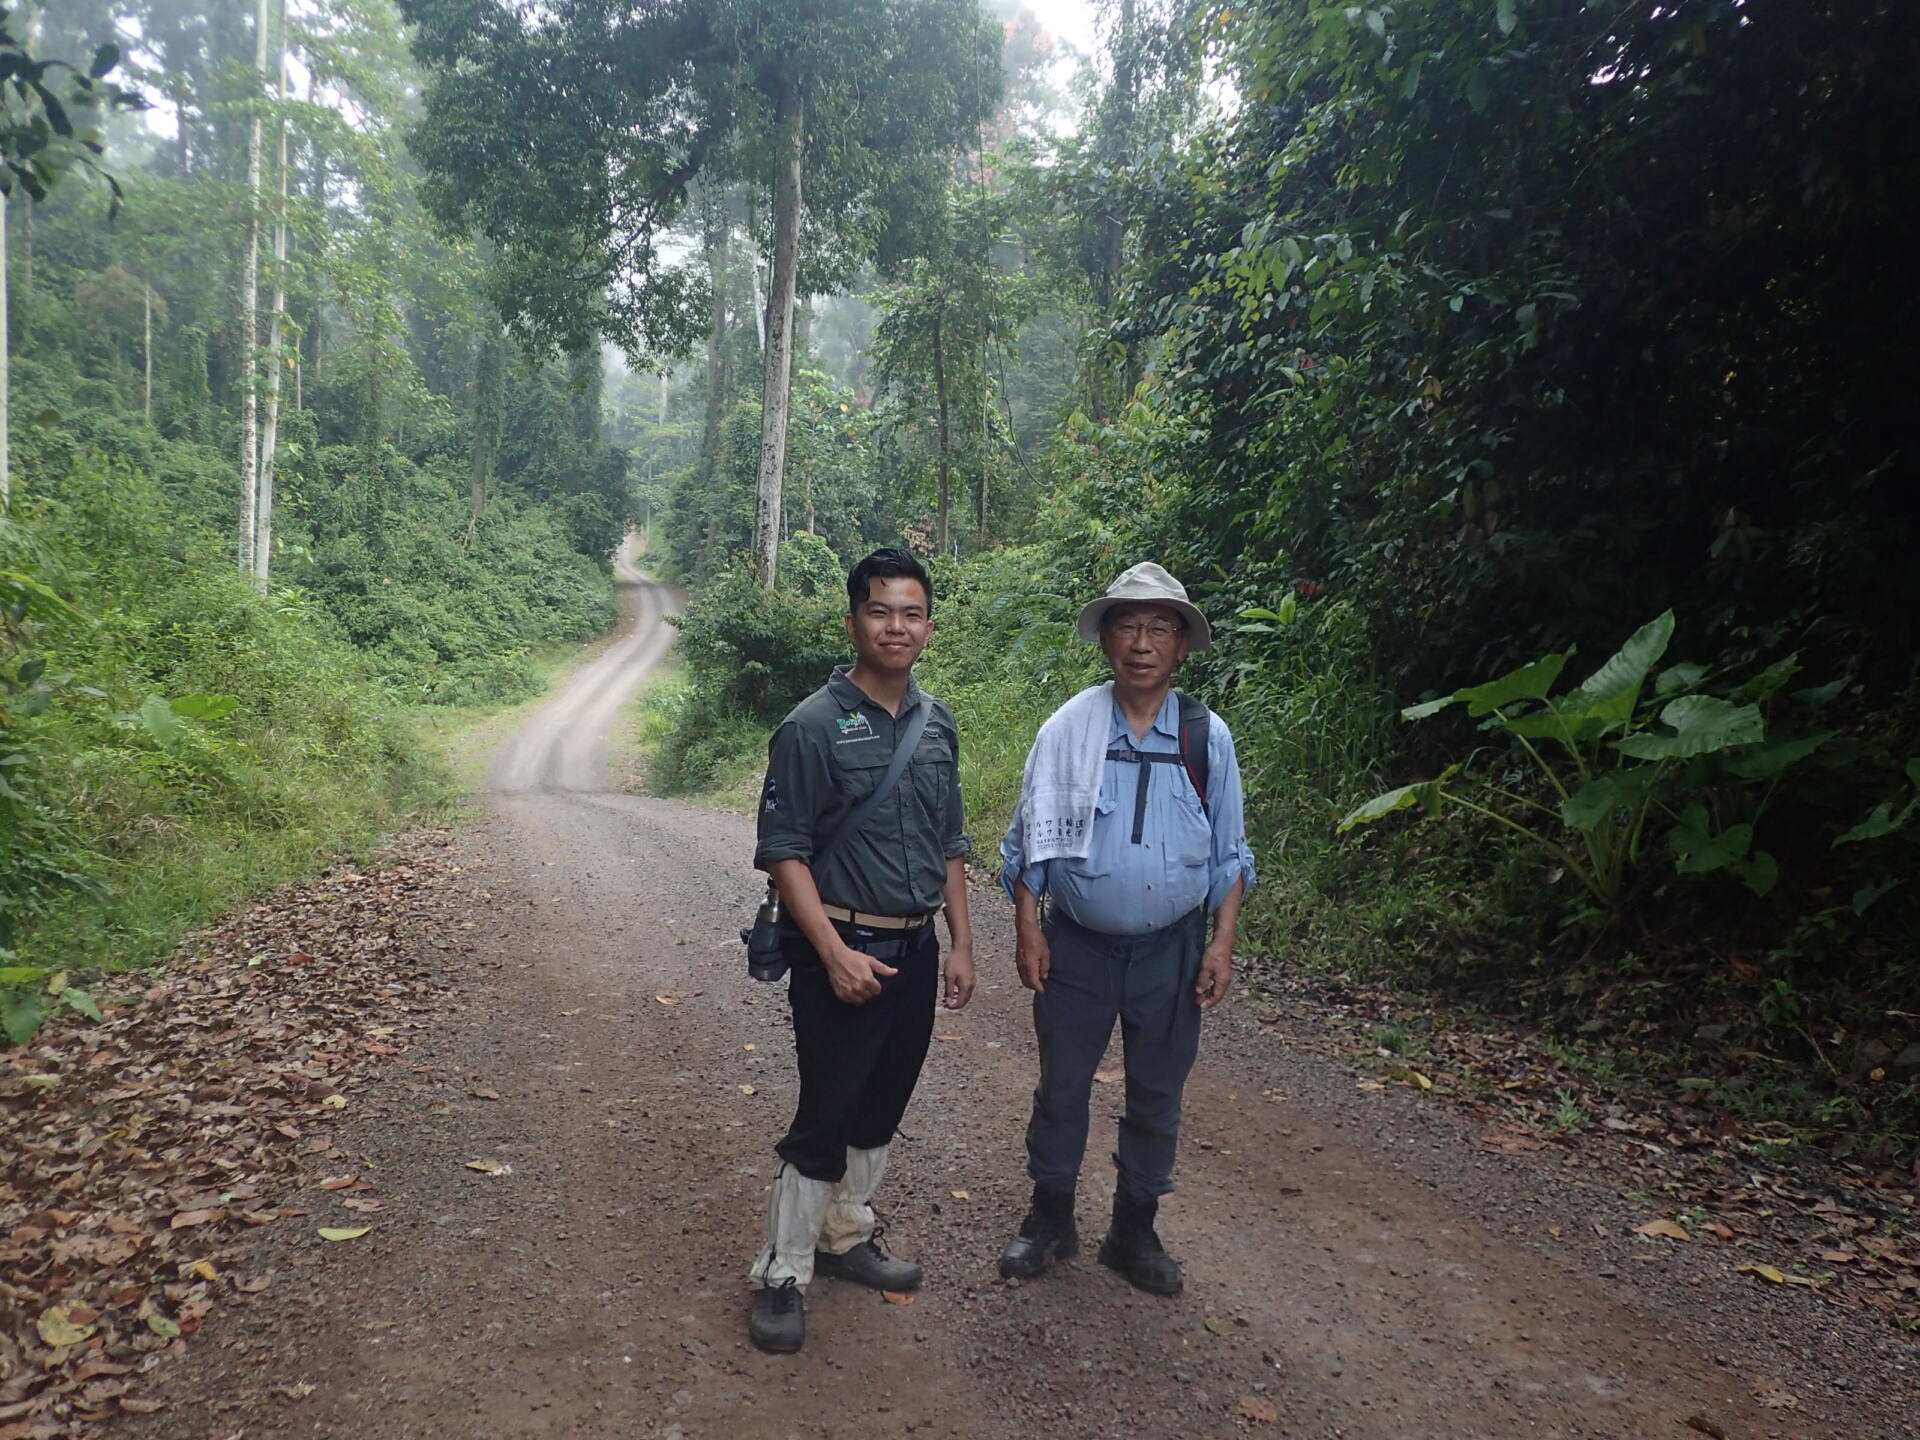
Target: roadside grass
(174, 868)
(196, 743)
(188, 870)
(721, 768)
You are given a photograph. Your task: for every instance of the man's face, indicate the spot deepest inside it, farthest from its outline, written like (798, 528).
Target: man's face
(891, 626)
(1143, 644)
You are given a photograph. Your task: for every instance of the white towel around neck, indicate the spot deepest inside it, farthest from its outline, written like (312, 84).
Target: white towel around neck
(1062, 782)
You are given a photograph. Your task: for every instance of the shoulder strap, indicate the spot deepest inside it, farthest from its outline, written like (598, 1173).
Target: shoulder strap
(902, 752)
(1195, 723)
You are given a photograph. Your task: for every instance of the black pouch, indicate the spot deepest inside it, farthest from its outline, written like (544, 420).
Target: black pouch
(766, 957)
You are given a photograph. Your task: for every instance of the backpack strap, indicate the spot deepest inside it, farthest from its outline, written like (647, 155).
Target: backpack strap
(1196, 722)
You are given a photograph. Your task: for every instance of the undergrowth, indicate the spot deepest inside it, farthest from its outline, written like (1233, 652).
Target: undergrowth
(175, 741)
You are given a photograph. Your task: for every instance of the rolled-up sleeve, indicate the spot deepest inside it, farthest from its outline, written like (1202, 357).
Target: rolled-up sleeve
(1013, 862)
(791, 796)
(1232, 857)
(953, 823)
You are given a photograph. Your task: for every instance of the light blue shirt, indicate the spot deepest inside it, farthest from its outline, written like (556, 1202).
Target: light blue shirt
(1186, 856)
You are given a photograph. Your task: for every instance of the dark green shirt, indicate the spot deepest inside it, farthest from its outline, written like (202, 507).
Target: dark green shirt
(826, 757)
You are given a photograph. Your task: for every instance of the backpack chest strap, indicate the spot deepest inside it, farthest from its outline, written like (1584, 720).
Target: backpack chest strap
(1144, 759)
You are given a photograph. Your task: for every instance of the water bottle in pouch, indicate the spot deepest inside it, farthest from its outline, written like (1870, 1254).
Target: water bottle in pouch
(765, 959)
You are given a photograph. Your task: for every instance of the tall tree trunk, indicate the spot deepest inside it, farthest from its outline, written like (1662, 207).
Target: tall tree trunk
(26, 256)
(986, 449)
(314, 334)
(718, 244)
(146, 348)
(6, 367)
(250, 313)
(941, 532)
(1116, 141)
(270, 436)
(487, 397)
(790, 113)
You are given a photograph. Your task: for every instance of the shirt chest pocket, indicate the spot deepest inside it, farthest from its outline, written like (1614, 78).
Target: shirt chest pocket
(932, 772)
(858, 767)
(1191, 841)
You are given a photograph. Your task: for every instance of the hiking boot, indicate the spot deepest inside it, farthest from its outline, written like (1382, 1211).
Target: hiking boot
(778, 1321)
(867, 1264)
(1132, 1247)
(1046, 1235)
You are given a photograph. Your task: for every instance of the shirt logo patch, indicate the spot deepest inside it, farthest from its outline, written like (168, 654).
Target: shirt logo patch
(853, 728)
(770, 796)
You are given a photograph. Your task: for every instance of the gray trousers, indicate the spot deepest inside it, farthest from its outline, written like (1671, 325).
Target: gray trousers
(1146, 983)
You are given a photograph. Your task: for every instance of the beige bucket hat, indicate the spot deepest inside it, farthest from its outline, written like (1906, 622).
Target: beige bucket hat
(1147, 584)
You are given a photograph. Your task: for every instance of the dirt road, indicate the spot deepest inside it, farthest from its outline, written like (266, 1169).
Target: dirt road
(1358, 1266)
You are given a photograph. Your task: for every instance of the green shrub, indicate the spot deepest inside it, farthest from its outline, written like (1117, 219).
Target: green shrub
(172, 739)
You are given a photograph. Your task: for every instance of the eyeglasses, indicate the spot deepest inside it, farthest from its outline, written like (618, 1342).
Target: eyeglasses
(1158, 631)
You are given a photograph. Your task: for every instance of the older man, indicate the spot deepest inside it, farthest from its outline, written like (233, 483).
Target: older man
(1131, 823)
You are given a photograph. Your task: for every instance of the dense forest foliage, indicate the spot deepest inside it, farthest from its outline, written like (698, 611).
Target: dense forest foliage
(1528, 367)
(257, 294)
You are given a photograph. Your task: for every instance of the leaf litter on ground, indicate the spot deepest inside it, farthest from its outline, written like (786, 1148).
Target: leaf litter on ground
(1774, 1214)
(137, 1153)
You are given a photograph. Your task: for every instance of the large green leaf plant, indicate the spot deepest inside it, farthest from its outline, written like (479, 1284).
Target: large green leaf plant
(1624, 767)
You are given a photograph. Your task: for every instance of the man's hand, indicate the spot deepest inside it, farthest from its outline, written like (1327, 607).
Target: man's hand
(1216, 974)
(855, 977)
(1033, 957)
(959, 977)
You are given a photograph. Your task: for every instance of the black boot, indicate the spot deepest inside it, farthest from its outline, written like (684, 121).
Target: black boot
(867, 1264)
(778, 1321)
(1132, 1248)
(1046, 1235)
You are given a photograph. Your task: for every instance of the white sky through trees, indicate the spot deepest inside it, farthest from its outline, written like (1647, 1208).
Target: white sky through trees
(1070, 20)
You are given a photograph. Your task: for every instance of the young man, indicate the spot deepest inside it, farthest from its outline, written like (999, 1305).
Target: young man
(1130, 818)
(860, 937)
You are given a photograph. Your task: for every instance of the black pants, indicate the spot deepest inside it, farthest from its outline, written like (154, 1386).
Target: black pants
(858, 1063)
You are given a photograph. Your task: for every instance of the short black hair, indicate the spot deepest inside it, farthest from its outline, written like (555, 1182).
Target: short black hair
(888, 563)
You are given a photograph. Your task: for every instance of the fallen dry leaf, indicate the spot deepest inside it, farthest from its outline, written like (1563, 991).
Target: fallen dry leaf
(1510, 1142)
(135, 1405)
(748, 1090)
(1777, 1276)
(58, 1327)
(1258, 1409)
(337, 1182)
(329, 1232)
(896, 1297)
(1671, 1229)
(482, 1092)
(489, 1167)
(1107, 1077)
(960, 1194)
